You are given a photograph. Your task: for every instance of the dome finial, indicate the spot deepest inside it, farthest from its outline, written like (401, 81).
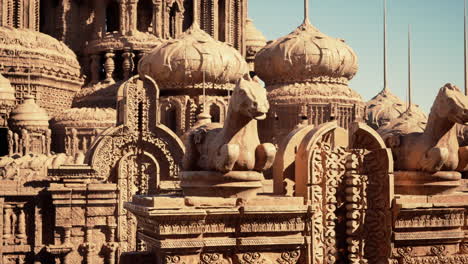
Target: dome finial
(385, 46)
(465, 50)
(306, 12)
(409, 67)
(195, 14)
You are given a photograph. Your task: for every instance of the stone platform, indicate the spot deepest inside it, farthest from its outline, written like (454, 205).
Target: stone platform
(423, 183)
(234, 184)
(263, 229)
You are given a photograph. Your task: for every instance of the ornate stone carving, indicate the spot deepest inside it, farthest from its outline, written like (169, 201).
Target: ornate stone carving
(209, 148)
(253, 258)
(290, 257)
(437, 147)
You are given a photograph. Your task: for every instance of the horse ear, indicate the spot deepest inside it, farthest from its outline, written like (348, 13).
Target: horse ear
(256, 79)
(452, 87)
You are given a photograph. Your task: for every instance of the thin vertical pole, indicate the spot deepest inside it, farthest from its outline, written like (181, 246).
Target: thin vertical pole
(385, 46)
(465, 51)
(409, 67)
(306, 11)
(195, 11)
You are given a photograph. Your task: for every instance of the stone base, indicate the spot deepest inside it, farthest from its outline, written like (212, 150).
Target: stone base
(263, 229)
(240, 184)
(424, 183)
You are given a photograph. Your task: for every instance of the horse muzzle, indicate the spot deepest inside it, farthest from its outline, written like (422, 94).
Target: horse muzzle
(260, 116)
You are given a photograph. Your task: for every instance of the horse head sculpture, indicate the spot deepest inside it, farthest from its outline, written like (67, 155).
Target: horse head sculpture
(450, 104)
(249, 99)
(235, 145)
(437, 147)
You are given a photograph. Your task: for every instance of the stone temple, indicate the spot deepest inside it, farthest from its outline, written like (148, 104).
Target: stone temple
(140, 131)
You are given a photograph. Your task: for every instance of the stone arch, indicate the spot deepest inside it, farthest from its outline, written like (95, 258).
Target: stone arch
(369, 182)
(347, 177)
(177, 105)
(128, 186)
(152, 137)
(284, 165)
(320, 170)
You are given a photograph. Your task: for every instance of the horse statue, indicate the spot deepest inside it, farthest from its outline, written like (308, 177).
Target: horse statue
(236, 145)
(436, 148)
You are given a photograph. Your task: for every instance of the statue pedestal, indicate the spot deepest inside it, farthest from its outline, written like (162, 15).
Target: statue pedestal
(424, 183)
(263, 229)
(240, 184)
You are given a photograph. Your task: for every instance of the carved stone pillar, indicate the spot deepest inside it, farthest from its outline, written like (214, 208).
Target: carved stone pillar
(17, 141)
(21, 225)
(89, 247)
(7, 223)
(112, 249)
(157, 18)
(109, 66)
(95, 66)
(123, 17)
(179, 22)
(48, 141)
(127, 64)
(132, 16)
(66, 235)
(10, 143)
(74, 144)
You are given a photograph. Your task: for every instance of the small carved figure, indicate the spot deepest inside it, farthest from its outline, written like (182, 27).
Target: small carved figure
(437, 147)
(236, 145)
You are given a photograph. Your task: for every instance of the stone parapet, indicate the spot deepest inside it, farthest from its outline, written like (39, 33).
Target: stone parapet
(430, 228)
(196, 229)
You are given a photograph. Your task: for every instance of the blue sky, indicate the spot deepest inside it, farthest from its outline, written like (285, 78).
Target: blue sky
(437, 39)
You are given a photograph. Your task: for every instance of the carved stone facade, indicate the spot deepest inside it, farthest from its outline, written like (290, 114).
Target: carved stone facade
(98, 98)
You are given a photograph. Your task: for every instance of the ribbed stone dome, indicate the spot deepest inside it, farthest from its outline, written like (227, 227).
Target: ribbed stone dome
(386, 107)
(48, 66)
(29, 115)
(306, 55)
(86, 117)
(180, 63)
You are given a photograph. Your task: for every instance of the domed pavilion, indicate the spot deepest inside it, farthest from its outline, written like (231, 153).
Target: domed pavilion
(40, 65)
(306, 74)
(193, 72)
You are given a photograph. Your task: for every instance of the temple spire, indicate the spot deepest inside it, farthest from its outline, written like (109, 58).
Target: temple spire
(409, 67)
(385, 46)
(306, 12)
(465, 50)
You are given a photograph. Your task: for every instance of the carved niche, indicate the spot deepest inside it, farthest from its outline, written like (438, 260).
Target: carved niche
(137, 152)
(347, 177)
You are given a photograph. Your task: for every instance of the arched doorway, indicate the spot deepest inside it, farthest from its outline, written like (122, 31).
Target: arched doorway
(138, 173)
